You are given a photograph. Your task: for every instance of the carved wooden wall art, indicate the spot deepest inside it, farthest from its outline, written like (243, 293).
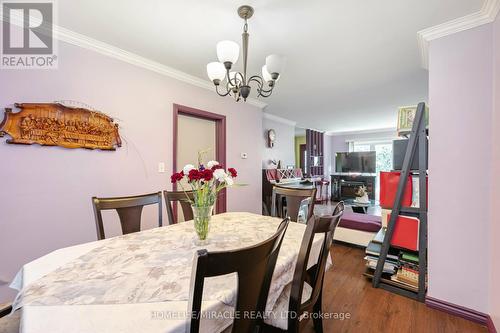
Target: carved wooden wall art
(51, 124)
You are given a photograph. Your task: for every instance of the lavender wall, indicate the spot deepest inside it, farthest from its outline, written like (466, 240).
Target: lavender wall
(284, 146)
(460, 99)
(45, 196)
(495, 197)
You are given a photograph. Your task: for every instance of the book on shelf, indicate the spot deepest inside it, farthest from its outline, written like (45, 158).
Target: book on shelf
(379, 237)
(384, 213)
(409, 257)
(375, 258)
(408, 266)
(390, 279)
(406, 232)
(401, 267)
(389, 267)
(415, 201)
(375, 248)
(408, 274)
(410, 286)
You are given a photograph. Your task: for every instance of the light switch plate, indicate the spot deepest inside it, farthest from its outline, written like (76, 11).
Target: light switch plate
(244, 156)
(161, 167)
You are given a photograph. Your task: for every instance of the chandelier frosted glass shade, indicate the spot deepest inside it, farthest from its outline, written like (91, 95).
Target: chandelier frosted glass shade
(228, 51)
(239, 84)
(275, 64)
(266, 75)
(216, 71)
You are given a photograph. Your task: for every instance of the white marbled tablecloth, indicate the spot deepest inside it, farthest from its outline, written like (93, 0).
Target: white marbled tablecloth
(140, 281)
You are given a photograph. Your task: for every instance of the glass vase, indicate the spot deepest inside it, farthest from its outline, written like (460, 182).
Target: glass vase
(202, 216)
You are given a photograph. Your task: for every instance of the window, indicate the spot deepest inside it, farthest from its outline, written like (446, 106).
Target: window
(384, 157)
(361, 147)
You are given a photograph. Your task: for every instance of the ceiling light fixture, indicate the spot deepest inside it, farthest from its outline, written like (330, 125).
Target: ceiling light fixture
(237, 84)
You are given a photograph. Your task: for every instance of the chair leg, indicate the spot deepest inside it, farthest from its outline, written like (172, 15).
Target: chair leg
(5, 310)
(317, 320)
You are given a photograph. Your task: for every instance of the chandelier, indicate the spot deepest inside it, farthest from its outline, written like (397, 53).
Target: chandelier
(237, 84)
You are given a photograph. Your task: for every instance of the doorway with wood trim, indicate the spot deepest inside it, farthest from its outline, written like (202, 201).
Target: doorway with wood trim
(196, 130)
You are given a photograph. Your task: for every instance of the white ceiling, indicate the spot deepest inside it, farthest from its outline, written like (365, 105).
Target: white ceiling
(350, 63)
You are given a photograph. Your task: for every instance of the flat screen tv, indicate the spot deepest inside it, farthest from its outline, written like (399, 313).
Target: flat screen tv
(363, 162)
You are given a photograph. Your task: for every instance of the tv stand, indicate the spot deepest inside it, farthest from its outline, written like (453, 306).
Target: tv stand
(344, 185)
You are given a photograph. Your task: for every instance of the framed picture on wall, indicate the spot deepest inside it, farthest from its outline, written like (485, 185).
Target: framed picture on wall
(406, 117)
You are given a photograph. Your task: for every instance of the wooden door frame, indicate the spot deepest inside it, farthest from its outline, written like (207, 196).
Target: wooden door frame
(302, 158)
(220, 143)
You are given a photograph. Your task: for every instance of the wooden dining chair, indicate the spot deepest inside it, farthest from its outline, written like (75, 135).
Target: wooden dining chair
(293, 199)
(9, 324)
(254, 266)
(339, 208)
(5, 309)
(129, 211)
(172, 197)
(306, 290)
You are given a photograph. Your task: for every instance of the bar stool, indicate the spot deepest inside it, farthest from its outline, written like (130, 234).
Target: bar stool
(322, 190)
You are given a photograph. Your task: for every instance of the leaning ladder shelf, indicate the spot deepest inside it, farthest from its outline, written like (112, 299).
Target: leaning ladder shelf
(417, 138)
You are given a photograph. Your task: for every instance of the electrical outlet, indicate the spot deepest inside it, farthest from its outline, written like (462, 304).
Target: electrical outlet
(161, 167)
(244, 156)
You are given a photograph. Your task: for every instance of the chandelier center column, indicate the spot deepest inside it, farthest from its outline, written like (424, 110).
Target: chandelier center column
(237, 83)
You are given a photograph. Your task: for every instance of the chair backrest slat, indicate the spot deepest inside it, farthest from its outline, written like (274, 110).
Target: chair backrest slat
(184, 199)
(129, 211)
(294, 199)
(254, 266)
(325, 225)
(339, 208)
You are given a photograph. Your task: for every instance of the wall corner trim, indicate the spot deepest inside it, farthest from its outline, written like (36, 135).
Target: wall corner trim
(462, 312)
(486, 14)
(279, 119)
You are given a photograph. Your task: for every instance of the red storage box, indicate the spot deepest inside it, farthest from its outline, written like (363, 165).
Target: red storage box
(388, 187)
(406, 232)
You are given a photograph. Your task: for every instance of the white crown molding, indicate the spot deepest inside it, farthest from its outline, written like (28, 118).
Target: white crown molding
(95, 45)
(370, 131)
(486, 14)
(279, 119)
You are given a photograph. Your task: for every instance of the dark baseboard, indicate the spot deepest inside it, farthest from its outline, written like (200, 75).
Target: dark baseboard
(460, 311)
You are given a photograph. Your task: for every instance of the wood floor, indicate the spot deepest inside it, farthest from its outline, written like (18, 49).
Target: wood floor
(376, 310)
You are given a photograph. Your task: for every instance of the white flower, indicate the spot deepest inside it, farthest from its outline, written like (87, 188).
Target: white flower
(220, 174)
(229, 181)
(211, 164)
(188, 168)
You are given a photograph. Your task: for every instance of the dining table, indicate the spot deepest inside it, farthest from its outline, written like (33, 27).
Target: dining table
(140, 282)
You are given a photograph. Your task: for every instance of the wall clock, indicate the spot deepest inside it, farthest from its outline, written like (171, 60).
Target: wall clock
(271, 137)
